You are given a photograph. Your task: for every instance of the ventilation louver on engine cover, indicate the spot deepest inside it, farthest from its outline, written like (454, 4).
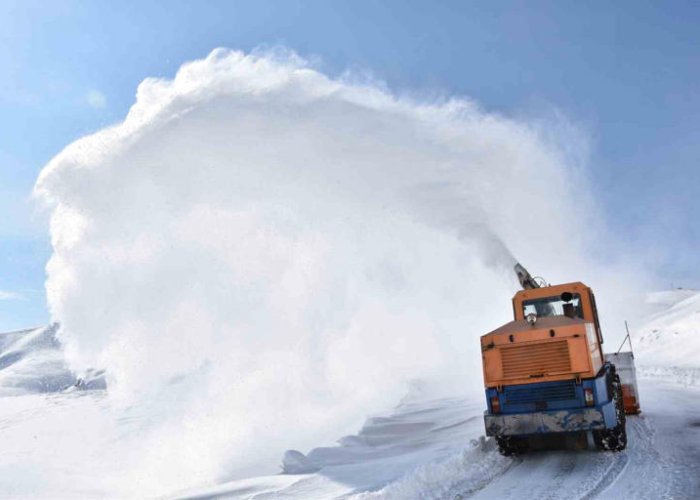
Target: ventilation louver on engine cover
(523, 361)
(564, 391)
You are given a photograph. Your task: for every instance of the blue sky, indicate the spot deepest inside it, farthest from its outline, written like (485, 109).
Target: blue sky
(626, 74)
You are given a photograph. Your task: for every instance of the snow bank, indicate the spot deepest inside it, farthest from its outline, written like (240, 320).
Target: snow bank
(671, 337)
(260, 255)
(668, 344)
(31, 361)
(420, 449)
(457, 477)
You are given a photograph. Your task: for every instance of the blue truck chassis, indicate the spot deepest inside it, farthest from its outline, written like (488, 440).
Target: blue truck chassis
(552, 407)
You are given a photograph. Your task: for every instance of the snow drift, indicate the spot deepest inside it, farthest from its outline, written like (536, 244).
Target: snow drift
(668, 343)
(31, 362)
(260, 255)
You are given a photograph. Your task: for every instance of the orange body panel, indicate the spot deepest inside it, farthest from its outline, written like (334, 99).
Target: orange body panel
(554, 348)
(629, 398)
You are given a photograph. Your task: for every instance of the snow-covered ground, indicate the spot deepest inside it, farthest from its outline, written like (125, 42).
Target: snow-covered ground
(668, 345)
(61, 439)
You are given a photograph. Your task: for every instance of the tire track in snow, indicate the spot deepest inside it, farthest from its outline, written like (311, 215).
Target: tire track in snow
(555, 475)
(468, 493)
(617, 466)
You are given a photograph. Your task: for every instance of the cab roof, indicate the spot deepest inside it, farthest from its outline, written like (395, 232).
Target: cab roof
(551, 291)
(544, 322)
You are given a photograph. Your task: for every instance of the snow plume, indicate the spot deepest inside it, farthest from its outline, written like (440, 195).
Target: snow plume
(261, 255)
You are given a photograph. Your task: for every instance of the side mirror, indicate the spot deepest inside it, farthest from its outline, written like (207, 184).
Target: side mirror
(567, 297)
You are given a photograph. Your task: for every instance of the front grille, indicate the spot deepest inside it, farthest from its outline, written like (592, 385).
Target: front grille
(533, 394)
(523, 361)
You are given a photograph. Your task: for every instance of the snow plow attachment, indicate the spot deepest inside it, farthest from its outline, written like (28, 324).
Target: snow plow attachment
(624, 364)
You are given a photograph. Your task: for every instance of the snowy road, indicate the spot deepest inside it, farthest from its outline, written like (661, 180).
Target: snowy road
(662, 459)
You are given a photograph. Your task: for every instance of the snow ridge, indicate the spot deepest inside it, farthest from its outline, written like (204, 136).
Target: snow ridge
(668, 344)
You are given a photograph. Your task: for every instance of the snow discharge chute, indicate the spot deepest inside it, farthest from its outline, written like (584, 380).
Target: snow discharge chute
(261, 255)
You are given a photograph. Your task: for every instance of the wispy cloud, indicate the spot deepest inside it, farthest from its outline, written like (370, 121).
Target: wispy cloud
(10, 295)
(96, 99)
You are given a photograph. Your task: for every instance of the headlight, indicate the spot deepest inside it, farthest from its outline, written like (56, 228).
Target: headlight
(531, 318)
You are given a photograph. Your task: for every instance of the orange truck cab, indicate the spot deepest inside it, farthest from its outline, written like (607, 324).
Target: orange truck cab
(545, 371)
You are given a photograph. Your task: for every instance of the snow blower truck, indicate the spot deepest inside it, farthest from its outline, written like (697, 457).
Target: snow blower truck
(545, 372)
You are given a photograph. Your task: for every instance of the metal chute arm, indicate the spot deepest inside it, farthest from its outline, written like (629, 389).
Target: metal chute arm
(526, 281)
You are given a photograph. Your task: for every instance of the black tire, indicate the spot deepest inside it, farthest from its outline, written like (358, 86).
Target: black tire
(614, 439)
(509, 446)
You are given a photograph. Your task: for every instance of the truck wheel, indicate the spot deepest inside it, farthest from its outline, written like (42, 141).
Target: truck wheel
(511, 445)
(614, 439)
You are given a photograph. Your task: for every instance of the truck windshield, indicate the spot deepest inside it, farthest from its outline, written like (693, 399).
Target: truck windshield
(554, 306)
